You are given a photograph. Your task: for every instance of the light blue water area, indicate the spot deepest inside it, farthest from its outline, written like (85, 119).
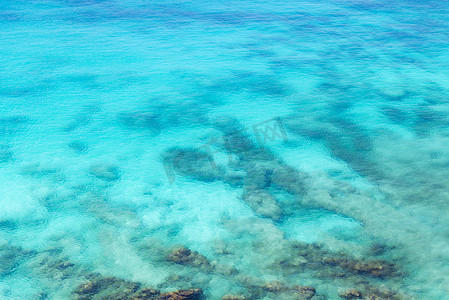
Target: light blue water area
(285, 143)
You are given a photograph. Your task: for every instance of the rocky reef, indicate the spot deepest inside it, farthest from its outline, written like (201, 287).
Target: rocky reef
(184, 256)
(372, 293)
(318, 258)
(262, 171)
(106, 288)
(112, 288)
(272, 190)
(192, 163)
(351, 294)
(50, 265)
(11, 257)
(266, 177)
(192, 294)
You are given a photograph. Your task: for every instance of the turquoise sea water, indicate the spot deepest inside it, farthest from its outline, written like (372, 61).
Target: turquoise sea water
(286, 143)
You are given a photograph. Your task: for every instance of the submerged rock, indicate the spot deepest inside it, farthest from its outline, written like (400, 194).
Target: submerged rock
(51, 266)
(375, 293)
(239, 144)
(258, 176)
(379, 269)
(330, 265)
(225, 270)
(192, 294)
(233, 178)
(106, 172)
(184, 256)
(89, 288)
(263, 203)
(316, 257)
(288, 179)
(275, 287)
(191, 163)
(112, 288)
(278, 289)
(304, 292)
(11, 257)
(145, 294)
(351, 294)
(378, 249)
(102, 288)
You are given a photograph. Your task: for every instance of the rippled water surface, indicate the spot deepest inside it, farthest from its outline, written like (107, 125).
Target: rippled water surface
(250, 149)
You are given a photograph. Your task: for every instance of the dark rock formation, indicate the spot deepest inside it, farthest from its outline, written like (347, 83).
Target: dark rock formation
(289, 179)
(304, 292)
(368, 292)
(371, 293)
(185, 256)
(275, 287)
(239, 144)
(145, 294)
(344, 139)
(112, 288)
(258, 176)
(375, 293)
(351, 294)
(332, 264)
(11, 257)
(106, 288)
(378, 268)
(192, 163)
(192, 294)
(50, 265)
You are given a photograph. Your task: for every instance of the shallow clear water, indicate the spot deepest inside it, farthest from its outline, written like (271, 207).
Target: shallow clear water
(304, 143)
